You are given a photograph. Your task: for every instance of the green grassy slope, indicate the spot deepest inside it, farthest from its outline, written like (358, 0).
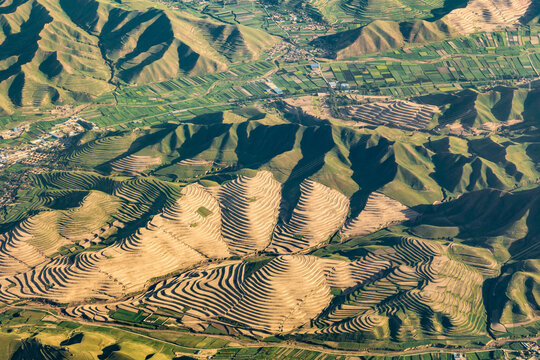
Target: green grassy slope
(54, 50)
(472, 108)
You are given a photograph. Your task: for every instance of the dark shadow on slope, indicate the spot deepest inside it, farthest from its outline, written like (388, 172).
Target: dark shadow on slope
(51, 67)
(484, 214)
(501, 110)
(107, 351)
(448, 169)
(374, 165)
(532, 106)
(187, 58)
(75, 339)
(462, 108)
(82, 12)
(449, 5)
(66, 200)
(32, 349)
(338, 41)
(157, 35)
(111, 32)
(10, 8)
(315, 143)
(259, 144)
(16, 88)
(190, 141)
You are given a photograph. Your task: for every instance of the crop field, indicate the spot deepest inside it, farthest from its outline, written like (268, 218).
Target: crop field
(274, 353)
(185, 87)
(245, 12)
(51, 334)
(479, 60)
(288, 353)
(497, 57)
(399, 10)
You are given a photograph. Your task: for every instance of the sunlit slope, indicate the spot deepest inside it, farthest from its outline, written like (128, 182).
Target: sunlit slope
(391, 291)
(60, 50)
(404, 115)
(41, 236)
(491, 15)
(196, 224)
(182, 228)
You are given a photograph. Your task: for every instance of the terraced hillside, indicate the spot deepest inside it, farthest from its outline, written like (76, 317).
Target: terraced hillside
(385, 290)
(403, 114)
(238, 217)
(203, 223)
(319, 213)
(59, 50)
(390, 235)
(423, 279)
(399, 284)
(250, 211)
(490, 15)
(379, 212)
(134, 164)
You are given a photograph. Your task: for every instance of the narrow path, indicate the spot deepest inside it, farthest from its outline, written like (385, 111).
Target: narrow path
(492, 345)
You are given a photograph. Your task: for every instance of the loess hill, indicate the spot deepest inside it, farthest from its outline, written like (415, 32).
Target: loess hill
(440, 246)
(61, 50)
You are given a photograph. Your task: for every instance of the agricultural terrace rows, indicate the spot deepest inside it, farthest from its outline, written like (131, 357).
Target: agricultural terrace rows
(195, 225)
(408, 281)
(402, 114)
(134, 164)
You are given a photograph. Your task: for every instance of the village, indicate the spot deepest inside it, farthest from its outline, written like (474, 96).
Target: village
(531, 352)
(36, 152)
(38, 149)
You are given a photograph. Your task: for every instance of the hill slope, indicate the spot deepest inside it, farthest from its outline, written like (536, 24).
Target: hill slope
(381, 35)
(55, 50)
